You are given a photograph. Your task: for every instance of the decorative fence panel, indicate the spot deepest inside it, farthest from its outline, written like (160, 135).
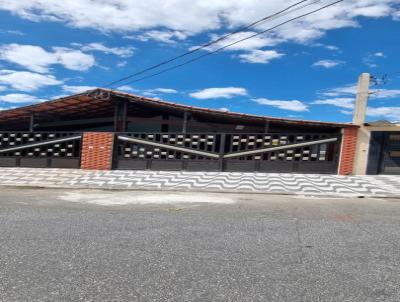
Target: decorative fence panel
(40, 149)
(169, 151)
(303, 153)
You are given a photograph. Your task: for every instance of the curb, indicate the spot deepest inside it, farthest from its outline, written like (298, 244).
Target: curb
(197, 190)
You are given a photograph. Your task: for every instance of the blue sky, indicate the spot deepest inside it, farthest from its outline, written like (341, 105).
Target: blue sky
(307, 69)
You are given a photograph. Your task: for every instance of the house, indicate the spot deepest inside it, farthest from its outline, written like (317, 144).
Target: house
(106, 129)
(379, 149)
(378, 143)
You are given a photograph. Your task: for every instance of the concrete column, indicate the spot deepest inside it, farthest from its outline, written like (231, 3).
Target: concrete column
(362, 151)
(185, 122)
(360, 110)
(364, 135)
(31, 122)
(266, 127)
(120, 116)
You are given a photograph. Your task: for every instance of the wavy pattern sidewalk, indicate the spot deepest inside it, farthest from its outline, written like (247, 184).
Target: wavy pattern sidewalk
(304, 184)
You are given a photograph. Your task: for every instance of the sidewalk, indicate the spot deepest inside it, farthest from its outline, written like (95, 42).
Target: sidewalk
(302, 184)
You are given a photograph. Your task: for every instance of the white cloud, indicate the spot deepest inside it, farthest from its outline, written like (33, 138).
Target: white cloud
(385, 112)
(32, 57)
(2, 88)
(374, 11)
(252, 48)
(12, 32)
(332, 47)
(148, 92)
(327, 63)
(340, 91)
(326, 46)
(292, 105)
(251, 44)
(165, 90)
(26, 81)
(127, 88)
(154, 92)
(124, 52)
(379, 54)
(77, 89)
(347, 103)
(225, 109)
(219, 93)
(165, 36)
(351, 90)
(347, 112)
(19, 98)
(312, 27)
(122, 64)
(344, 97)
(260, 56)
(371, 59)
(39, 60)
(385, 93)
(74, 59)
(121, 15)
(175, 20)
(193, 16)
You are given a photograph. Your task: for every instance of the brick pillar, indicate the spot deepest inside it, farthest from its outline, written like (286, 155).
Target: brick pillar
(97, 149)
(348, 151)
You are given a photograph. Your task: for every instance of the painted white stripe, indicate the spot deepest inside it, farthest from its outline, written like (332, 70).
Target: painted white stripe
(280, 148)
(41, 144)
(166, 146)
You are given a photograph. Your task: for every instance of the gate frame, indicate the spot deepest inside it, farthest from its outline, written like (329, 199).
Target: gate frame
(222, 160)
(44, 161)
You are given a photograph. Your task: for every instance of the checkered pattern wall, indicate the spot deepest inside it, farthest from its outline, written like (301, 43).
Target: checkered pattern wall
(20, 144)
(248, 142)
(195, 142)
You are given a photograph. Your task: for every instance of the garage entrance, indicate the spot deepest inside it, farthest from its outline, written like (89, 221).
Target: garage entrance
(290, 152)
(384, 155)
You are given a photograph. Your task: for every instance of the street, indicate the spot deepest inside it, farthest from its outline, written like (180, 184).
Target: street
(93, 245)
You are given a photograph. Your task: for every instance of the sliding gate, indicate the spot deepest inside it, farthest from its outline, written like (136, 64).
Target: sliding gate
(302, 153)
(384, 153)
(40, 149)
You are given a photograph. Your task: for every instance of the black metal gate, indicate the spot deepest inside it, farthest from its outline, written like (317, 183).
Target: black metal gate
(302, 153)
(391, 158)
(384, 153)
(40, 149)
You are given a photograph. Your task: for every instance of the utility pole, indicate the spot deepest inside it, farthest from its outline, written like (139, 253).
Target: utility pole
(360, 110)
(363, 135)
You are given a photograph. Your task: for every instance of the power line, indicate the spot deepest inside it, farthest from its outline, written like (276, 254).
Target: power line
(234, 43)
(286, 10)
(384, 79)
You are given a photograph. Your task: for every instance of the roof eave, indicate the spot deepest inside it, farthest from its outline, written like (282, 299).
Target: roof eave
(102, 92)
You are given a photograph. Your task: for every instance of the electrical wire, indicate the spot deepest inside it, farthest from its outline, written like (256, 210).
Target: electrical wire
(383, 80)
(234, 43)
(222, 38)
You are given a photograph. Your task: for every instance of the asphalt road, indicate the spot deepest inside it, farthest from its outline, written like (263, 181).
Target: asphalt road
(120, 246)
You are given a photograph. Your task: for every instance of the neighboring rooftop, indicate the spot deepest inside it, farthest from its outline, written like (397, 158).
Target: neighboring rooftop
(383, 123)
